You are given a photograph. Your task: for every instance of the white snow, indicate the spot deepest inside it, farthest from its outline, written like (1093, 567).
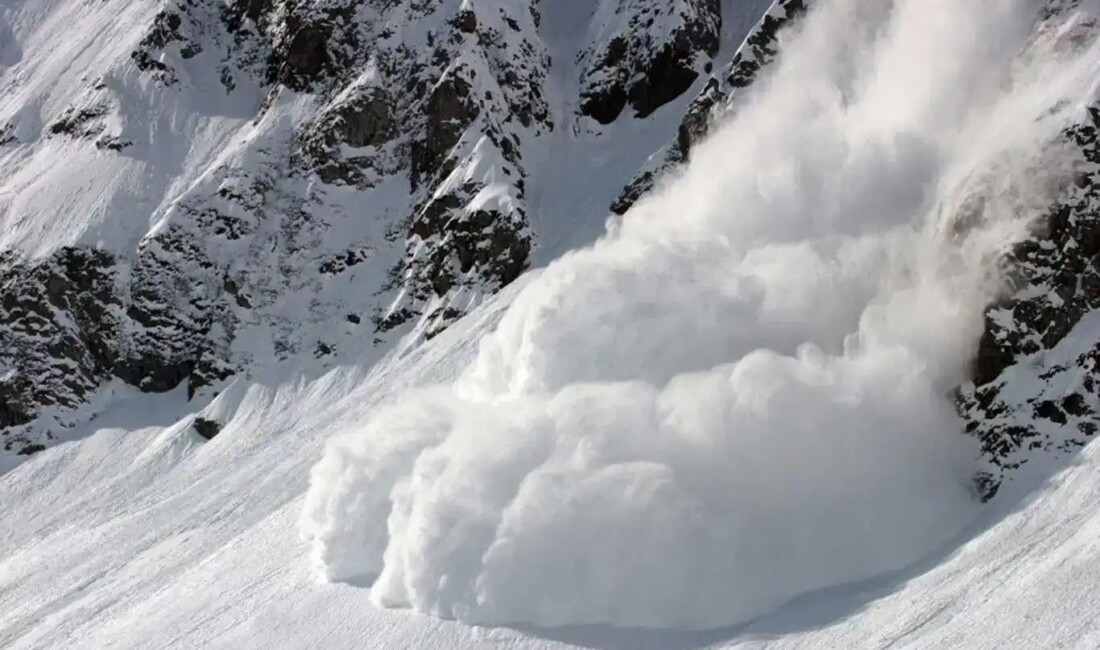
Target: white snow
(730, 413)
(740, 394)
(148, 538)
(55, 191)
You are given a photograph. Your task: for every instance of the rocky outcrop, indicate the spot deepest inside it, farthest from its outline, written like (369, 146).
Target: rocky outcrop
(650, 53)
(59, 324)
(1036, 386)
(1035, 389)
(93, 118)
(762, 46)
(432, 111)
(166, 30)
(80, 317)
(718, 98)
(206, 428)
(693, 128)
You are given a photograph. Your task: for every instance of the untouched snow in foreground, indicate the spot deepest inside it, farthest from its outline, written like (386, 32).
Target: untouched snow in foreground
(742, 393)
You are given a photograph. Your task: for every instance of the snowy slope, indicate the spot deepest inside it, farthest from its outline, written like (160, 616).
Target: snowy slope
(736, 420)
(196, 189)
(151, 538)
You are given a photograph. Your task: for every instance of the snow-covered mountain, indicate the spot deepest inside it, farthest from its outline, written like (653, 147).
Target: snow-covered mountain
(225, 185)
(720, 318)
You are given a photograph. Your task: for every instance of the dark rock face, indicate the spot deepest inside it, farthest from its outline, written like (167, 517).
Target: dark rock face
(7, 134)
(717, 98)
(362, 120)
(173, 307)
(78, 318)
(365, 123)
(465, 247)
(80, 123)
(761, 47)
(656, 53)
(164, 31)
(449, 112)
(1054, 286)
(237, 33)
(206, 428)
(89, 121)
(1060, 263)
(303, 56)
(455, 244)
(59, 320)
(313, 41)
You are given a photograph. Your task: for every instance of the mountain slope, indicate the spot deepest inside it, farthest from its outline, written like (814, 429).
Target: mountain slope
(738, 419)
(227, 186)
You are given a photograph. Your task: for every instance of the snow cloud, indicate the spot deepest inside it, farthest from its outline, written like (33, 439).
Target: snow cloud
(742, 392)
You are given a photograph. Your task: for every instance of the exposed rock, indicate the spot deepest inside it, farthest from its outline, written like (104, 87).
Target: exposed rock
(304, 55)
(7, 134)
(654, 52)
(80, 122)
(762, 45)
(454, 250)
(718, 98)
(344, 261)
(112, 143)
(169, 30)
(59, 325)
(693, 128)
(450, 111)
(206, 428)
(78, 318)
(1012, 407)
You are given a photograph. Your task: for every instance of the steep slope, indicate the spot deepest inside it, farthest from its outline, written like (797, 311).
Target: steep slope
(229, 185)
(718, 98)
(671, 428)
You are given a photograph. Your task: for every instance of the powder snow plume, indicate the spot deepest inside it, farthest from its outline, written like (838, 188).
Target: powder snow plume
(742, 392)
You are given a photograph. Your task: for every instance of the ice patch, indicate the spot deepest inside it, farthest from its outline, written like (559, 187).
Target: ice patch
(742, 393)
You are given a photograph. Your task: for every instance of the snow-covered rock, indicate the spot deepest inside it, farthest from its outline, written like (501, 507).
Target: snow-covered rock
(755, 388)
(1035, 388)
(646, 54)
(262, 181)
(718, 98)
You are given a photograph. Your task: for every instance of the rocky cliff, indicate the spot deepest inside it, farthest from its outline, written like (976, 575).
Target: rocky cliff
(319, 179)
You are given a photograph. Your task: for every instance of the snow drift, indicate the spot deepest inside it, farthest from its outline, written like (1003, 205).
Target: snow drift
(742, 392)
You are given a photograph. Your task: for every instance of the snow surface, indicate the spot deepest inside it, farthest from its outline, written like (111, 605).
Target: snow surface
(729, 444)
(150, 538)
(740, 394)
(55, 191)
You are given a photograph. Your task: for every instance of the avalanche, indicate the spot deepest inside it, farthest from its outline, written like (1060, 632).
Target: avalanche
(727, 423)
(742, 392)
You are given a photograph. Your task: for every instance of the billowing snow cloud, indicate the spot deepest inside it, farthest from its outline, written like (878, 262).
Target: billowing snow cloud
(743, 392)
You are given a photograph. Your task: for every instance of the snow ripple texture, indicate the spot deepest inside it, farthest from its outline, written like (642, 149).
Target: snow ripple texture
(742, 392)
